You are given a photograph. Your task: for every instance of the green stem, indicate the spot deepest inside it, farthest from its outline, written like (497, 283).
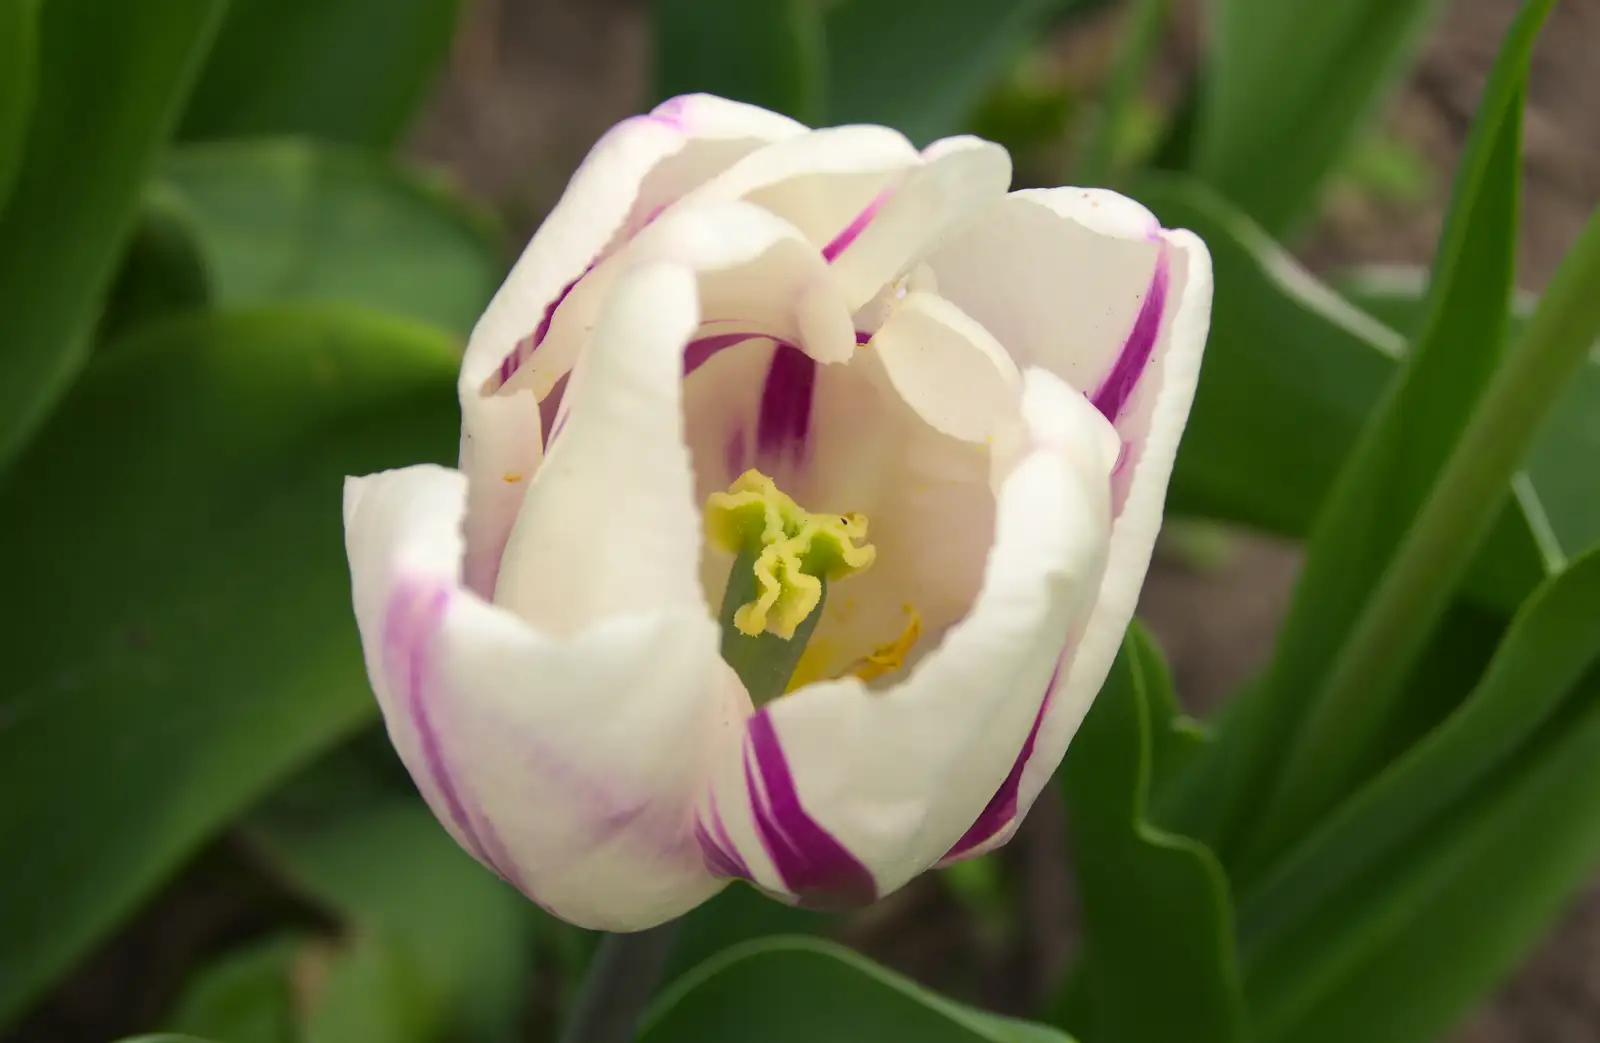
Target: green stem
(1137, 44)
(1454, 520)
(620, 982)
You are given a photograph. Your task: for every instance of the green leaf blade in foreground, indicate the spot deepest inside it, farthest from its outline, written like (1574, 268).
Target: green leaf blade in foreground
(348, 71)
(1406, 951)
(1549, 647)
(19, 54)
(1286, 89)
(188, 639)
(1312, 751)
(111, 79)
(770, 54)
(800, 990)
(1158, 963)
(286, 221)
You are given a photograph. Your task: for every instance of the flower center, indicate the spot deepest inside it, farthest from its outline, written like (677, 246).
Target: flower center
(785, 557)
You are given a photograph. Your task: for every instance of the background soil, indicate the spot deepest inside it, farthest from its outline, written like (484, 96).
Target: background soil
(534, 82)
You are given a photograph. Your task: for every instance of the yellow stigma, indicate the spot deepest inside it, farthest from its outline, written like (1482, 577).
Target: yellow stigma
(790, 551)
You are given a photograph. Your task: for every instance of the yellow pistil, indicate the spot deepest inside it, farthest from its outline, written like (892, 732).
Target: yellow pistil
(789, 551)
(887, 658)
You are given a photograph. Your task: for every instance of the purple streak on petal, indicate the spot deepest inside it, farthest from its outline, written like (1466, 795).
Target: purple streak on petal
(784, 419)
(413, 619)
(670, 112)
(841, 242)
(812, 864)
(699, 351)
(862, 337)
(734, 453)
(1002, 807)
(1119, 384)
(722, 858)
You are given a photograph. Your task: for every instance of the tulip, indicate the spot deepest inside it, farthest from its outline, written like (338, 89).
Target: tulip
(807, 485)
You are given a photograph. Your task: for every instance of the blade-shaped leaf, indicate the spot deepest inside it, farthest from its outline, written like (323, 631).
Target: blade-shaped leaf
(175, 536)
(1314, 729)
(924, 74)
(111, 79)
(1286, 89)
(769, 54)
(800, 990)
(245, 996)
(1158, 964)
(19, 53)
(163, 273)
(1549, 647)
(1402, 954)
(351, 71)
(285, 221)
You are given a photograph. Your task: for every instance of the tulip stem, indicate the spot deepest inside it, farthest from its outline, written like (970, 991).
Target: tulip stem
(621, 980)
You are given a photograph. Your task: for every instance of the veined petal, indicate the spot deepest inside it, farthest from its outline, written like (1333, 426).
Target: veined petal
(635, 170)
(956, 179)
(844, 792)
(609, 526)
(569, 766)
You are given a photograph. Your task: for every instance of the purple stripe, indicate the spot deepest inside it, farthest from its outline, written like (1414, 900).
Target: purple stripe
(722, 858)
(1119, 384)
(413, 619)
(785, 417)
(841, 242)
(812, 864)
(1001, 810)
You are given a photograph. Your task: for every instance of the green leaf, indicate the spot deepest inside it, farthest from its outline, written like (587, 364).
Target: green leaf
(245, 996)
(738, 914)
(1331, 691)
(19, 53)
(800, 990)
(1286, 89)
(1559, 491)
(110, 80)
(385, 866)
(176, 538)
(372, 992)
(292, 221)
(351, 71)
(165, 1038)
(1402, 954)
(769, 54)
(925, 73)
(1158, 963)
(163, 273)
(1548, 648)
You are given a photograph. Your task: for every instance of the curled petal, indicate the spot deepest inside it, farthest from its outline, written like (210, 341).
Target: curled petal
(567, 765)
(947, 367)
(1105, 297)
(609, 526)
(841, 793)
(635, 170)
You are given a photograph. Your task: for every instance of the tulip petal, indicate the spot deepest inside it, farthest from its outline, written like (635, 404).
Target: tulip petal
(568, 765)
(947, 367)
(841, 792)
(609, 525)
(1103, 296)
(956, 179)
(635, 170)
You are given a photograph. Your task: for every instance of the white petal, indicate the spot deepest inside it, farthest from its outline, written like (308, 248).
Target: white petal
(844, 792)
(638, 167)
(947, 367)
(957, 178)
(609, 526)
(1058, 276)
(568, 766)
(1151, 426)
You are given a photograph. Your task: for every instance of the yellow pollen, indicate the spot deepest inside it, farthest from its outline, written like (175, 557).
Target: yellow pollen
(887, 658)
(793, 551)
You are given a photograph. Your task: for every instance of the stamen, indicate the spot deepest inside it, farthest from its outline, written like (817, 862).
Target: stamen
(887, 658)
